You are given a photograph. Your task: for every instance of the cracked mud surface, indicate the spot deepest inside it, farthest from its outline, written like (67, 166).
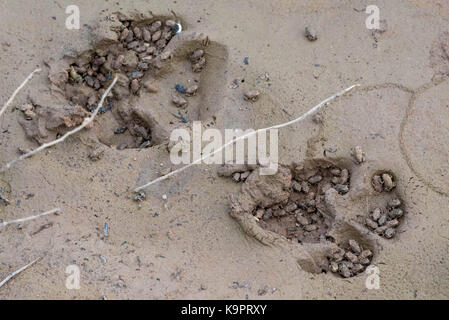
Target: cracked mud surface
(186, 245)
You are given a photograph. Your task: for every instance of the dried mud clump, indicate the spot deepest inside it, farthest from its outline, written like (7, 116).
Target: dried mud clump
(252, 95)
(358, 154)
(383, 182)
(384, 221)
(41, 123)
(349, 260)
(239, 173)
(198, 60)
(303, 216)
(310, 33)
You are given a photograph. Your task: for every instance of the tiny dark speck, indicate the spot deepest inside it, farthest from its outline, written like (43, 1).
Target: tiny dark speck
(54, 18)
(246, 60)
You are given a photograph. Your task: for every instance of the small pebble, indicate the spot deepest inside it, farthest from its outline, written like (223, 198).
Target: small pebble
(371, 224)
(196, 55)
(302, 220)
(29, 114)
(357, 268)
(179, 101)
(392, 223)
(155, 26)
(140, 196)
(351, 257)
(296, 186)
(380, 230)
(365, 254)
(394, 203)
(382, 220)
(336, 172)
(358, 154)
(305, 187)
(344, 176)
(315, 179)
(365, 261)
(388, 181)
(259, 213)
(244, 175)
(252, 95)
(389, 233)
(333, 266)
(170, 23)
(376, 214)
(310, 227)
(121, 129)
(156, 36)
(377, 183)
(354, 246)
(135, 86)
(396, 213)
(291, 207)
(344, 271)
(310, 34)
(191, 90)
(342, 188)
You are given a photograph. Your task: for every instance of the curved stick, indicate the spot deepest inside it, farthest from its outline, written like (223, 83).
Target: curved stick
(5, 106)
(302, 117)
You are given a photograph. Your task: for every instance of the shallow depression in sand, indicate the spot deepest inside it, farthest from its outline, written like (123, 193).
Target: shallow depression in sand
(426, 135)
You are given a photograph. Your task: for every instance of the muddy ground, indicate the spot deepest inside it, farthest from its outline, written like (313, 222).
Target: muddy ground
(190, 238)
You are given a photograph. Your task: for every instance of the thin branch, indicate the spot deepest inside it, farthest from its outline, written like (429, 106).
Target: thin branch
(86, 122)
(5, 106)
(4, 224)
(302, 117)
(12, 275)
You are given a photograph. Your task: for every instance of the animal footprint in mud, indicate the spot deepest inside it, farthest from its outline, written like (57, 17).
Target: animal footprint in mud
(314, 207)
(152, 62)
(303, 217)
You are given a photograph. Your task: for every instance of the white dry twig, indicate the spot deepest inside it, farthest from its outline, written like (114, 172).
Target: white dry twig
(5, 106)
(86, 122)
(4, 224)
(302, 117)
(12, 275)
